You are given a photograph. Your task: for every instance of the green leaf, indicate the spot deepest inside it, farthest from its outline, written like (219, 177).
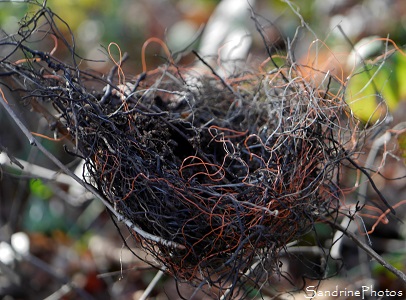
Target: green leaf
(39, 189)
(402, 145)
(371, 91)
(400, 67)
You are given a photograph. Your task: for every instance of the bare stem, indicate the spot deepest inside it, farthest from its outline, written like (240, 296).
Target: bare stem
(369, 250)
(152, 284)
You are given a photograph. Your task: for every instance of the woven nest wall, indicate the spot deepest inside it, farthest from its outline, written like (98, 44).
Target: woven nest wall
(225, 172)
(215, 173)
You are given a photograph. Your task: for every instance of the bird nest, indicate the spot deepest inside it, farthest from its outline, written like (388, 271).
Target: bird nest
(225, 172)
(223, 175)
(213, 175)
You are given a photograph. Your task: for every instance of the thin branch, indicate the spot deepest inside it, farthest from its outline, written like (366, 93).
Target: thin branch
(35, 170)
(246, 274)
(375, 188)
(40, 264)
(215, 74)
(59, 294)
(345, 223)
(373, 153)
(12, 159)
(12, 114)
(152, 284)
(369, 250)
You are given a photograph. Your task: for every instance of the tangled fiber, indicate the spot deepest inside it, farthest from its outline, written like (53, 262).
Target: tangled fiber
(215, 175)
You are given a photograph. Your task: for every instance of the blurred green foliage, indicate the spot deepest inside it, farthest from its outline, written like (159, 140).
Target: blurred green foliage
(375, 88)
(402, 145)
(39, 189)
(396, 259)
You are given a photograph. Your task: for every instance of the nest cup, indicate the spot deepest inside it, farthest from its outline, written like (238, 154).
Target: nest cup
(228, 171)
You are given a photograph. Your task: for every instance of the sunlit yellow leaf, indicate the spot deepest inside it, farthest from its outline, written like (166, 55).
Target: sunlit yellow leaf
(400, 67)
(371, 91)
(402, 145)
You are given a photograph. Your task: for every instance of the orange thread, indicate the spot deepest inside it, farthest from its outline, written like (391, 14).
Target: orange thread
(382, 218)
(120, 73)
(37, 59)
(2, 95)
(145, 45)
(48, 138)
